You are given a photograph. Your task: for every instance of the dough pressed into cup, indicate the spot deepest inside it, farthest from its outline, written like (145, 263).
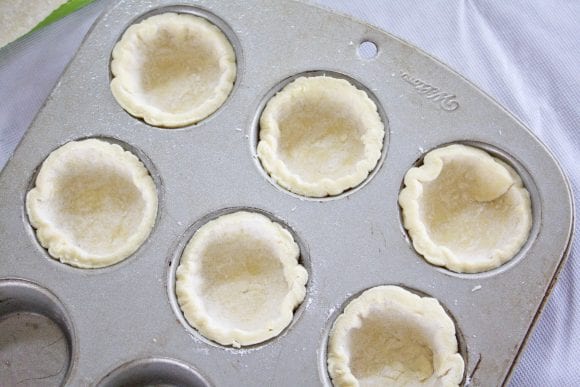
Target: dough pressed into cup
(173, 69)
(465, 210)
(320, 136)
(93, 204)
(239, 280)
(389, 336)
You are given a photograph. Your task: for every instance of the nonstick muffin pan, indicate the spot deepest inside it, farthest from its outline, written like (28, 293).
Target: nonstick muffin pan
(122, 324)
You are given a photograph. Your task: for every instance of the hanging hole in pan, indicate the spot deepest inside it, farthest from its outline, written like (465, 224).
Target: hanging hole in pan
(368, 50)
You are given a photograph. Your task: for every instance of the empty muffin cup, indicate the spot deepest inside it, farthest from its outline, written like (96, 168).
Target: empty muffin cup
(156, 372)
(37, 341)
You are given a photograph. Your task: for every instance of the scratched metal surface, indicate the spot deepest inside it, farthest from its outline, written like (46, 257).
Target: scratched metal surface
(122, 323)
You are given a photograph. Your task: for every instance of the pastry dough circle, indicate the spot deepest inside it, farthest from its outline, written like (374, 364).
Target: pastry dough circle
(389, 336)
(172, 69)
(320, 136)
(239, 279)
(93, 205)
(18, 17)
(465, 209)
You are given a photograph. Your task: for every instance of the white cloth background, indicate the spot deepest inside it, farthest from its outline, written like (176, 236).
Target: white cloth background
(526, 54)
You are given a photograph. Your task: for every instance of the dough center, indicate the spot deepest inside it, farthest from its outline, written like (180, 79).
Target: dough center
(455, 219)
(179, 71)
(99, 208)
(320, 139)
(243, 281)
(387, 348)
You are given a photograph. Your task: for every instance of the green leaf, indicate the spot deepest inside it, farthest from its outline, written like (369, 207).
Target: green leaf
(65, 9)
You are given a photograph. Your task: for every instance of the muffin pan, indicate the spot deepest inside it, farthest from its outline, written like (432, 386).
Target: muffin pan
(122, 321)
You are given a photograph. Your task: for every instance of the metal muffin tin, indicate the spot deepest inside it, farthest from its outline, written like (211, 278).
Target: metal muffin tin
(122, 324)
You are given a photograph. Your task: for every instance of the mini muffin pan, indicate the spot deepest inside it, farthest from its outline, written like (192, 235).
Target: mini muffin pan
(121, 324)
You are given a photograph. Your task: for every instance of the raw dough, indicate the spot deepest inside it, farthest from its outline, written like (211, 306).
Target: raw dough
(389, 336)
(17, 17)
(93, 204)
(172, 69)
(465, 209)
(320, 136)
(239, 279)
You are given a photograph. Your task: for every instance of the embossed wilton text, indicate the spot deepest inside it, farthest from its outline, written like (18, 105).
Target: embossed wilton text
(446, 101)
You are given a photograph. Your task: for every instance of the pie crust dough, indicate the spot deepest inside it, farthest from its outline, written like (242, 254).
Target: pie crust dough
(239, 279)
(389, 336)
(17, 17)
(465, 209)
(320, 136)
(93, 205)
(172, 69)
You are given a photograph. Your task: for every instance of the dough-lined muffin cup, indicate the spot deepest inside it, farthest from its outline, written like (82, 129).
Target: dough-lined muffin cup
(172, 69)
(465, 210)
(320, 136)
(93, 204)
(239, 279)
(389, 336)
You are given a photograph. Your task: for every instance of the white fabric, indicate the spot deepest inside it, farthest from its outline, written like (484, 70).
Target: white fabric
(524, 53)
